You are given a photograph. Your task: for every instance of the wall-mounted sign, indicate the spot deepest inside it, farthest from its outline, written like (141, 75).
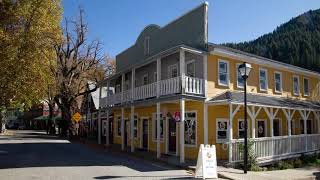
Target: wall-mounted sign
(177, 116)
(207, 162)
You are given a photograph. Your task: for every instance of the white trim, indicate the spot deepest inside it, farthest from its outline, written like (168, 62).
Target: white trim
(266, 80)
(293, 92)
(196, 123)
(265, 125)
(262, 61)
(228, 73)
(274, 82)
(222, 120)
(170, 68)
(237, 76)
(194, 67)
(304, 92)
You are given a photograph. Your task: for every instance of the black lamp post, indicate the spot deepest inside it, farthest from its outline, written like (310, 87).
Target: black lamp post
(244, 70)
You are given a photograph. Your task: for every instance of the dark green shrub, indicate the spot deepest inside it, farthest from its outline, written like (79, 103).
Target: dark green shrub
(297, 163)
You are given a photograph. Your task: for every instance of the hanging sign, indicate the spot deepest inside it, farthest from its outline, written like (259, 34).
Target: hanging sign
(207, 162)
(177, 116)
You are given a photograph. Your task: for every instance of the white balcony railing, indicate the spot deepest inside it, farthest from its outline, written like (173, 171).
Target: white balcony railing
(273, 147)
(167, 87)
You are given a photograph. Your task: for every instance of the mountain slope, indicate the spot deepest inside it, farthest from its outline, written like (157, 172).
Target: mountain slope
(296, 42)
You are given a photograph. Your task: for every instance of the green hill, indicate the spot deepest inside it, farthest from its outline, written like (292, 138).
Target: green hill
(296, 42)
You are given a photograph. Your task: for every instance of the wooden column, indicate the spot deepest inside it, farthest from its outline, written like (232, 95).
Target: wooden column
(158, 130)
(182, 118)
(122, 128)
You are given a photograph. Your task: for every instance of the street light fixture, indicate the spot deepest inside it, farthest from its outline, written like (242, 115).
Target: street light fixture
(244, 70)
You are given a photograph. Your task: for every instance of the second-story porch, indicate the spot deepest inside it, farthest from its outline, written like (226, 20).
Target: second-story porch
(180, 71)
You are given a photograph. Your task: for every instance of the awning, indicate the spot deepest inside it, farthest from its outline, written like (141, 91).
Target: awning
(257, 99)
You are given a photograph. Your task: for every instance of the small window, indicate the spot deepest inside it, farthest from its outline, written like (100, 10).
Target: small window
(263, 79)
(126, 84)
(240, 81)
(190, 128)
(262, 128)
(277, 82)
(190, 68)
(241, 128)
(119, 126)
(223, 73)
(145, 79)
(146, 45)
(155, 126)
(296, 85)
(155, 77)
(118, 88)
(306, 86)
(173, 71)
(222, 129)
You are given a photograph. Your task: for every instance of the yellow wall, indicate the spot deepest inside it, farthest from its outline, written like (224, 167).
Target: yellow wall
(253, 80)
(191, 152)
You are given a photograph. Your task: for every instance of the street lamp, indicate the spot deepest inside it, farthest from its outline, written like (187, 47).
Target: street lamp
(244, 70)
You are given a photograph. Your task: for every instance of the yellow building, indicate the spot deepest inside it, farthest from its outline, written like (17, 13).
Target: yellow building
(173, 90)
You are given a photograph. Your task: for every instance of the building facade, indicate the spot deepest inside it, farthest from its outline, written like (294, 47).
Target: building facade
(173, 90)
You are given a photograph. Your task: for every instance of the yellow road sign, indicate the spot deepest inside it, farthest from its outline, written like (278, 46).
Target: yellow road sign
(76, 117)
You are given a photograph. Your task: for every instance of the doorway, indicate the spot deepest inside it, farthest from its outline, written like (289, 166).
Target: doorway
(145, 133)
(276, 127)
(111, 130)
(126, 132)
(172, 135)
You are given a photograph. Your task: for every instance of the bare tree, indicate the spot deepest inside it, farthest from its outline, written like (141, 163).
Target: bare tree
(78, 61)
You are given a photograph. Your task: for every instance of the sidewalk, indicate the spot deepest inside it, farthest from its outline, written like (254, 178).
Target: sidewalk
(309, 173)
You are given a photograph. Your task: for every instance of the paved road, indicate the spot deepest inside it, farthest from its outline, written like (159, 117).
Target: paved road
(34, 155)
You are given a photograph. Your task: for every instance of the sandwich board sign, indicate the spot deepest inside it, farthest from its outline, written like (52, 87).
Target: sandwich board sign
(207, 162)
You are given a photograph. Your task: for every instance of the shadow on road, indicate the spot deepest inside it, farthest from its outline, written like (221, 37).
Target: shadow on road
(142, 177)
(48, 152)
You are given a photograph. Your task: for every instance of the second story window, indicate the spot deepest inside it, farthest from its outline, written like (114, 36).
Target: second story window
(277, 82)
(190, 68)
(296, 85)
(145, 79)
(263, 80)
(240, 82)
(223, 73)
(146, 45)
(306, 86)
(173, 71)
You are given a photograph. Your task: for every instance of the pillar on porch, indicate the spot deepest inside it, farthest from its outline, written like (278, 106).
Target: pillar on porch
(230, 131)
(182, 114)
(122, 87)
(182, 70)
(132, 129)
(205, 123)
(122, 128)
(158, 130)
(158, 76)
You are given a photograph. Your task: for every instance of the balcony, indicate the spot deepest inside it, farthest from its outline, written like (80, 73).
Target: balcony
(193, 86)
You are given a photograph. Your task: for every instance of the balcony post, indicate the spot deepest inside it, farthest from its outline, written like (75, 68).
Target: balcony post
(133, 79)
(182, 109)
(205, 75)
(205, 123)
(122, 128)
(182, 70)
(158, 130)
(107, 94)
(132, 128)
(230, 131)
(158, 76)
(122, 87)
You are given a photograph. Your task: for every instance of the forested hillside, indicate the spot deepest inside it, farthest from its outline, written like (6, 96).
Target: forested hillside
(296, 42)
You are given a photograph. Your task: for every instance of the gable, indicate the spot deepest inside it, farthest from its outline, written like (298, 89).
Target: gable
(190, 29)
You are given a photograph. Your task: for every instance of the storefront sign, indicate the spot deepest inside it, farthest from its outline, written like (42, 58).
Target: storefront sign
(207, 162)
(177, 116)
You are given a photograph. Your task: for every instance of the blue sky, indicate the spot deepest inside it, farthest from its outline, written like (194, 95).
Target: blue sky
(117, 24)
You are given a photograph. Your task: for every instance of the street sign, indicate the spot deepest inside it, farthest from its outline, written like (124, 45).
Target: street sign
(76, 117)
(207, 162)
